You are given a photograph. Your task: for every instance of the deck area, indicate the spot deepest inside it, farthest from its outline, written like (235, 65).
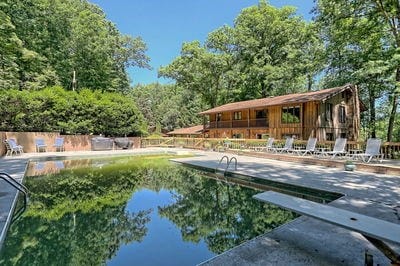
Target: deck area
(304, 241)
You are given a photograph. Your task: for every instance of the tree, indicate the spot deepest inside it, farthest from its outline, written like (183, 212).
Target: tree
(269, 51)
(167, 106)
(199, 70)
(362, 45)
(10, 47)
(59, 37)
(270, 47)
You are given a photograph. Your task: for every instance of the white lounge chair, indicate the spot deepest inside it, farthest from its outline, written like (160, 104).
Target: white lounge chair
(288, 146)
(13, 147)
(372, 150)
(338, 149)
(310, 148)
(268, 146)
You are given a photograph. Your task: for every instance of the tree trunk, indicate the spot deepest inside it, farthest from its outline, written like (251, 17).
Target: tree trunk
(395, 103)
(372, 113)
(309, 82)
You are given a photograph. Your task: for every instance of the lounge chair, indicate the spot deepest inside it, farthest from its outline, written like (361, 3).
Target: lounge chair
(59, 144)
(372, 150)
(40, 145)
(288, 146)
(268, 146)
(310, 148)
(338, 149)
(13, 147)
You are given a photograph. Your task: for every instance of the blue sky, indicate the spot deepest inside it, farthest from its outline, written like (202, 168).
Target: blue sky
(166, 25)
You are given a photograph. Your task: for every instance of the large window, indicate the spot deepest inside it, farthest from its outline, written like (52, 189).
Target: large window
(328, 111)
(237, 116)
(342, 114)
(290, 114)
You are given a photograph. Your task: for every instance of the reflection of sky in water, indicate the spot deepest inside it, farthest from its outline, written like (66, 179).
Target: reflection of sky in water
(163, 244)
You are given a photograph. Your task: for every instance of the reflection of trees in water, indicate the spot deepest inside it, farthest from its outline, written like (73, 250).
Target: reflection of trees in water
(75, 239)
(221, 214)
(78, 217)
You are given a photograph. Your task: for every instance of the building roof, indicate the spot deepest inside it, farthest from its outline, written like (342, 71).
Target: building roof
(195, 130)
(279, 100)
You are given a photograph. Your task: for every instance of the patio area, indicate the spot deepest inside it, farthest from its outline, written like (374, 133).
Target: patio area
(305, 241)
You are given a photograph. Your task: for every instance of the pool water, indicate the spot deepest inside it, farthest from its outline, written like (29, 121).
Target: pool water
(132, 211)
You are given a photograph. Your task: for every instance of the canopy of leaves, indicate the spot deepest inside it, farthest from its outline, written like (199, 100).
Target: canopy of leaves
(362, 46)
(269, 51)
(44, 41)
(167, 107)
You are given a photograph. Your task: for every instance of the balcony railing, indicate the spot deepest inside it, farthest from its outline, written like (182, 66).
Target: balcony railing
(260, 122)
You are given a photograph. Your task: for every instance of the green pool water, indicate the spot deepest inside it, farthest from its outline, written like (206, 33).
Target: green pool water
(132, 211)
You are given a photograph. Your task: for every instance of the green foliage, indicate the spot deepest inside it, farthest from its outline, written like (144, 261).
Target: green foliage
(46, 40)
(167, 107)
(269, 51)
(71, 112)
(362, 47)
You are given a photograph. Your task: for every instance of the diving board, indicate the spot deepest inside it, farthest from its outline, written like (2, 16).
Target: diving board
(366, 225)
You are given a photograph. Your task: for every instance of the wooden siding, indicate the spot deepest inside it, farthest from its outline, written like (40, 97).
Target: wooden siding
(313, 120)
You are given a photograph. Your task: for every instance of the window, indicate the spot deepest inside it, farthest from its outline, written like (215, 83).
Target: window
(237, 136)
(261, 113)
(342, 114)
(219, 116)
(328, 111)
(329, 136)
(237, 116)
(291, 114)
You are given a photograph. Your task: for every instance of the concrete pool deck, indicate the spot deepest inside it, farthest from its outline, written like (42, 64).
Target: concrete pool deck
(304, 241)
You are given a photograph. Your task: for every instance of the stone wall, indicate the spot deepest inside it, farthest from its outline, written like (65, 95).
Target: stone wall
(71, 142)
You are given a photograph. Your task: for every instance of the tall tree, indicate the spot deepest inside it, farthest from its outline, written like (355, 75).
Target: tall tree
(62, 36)
(269, 49)
(263, 54)
(363, 40)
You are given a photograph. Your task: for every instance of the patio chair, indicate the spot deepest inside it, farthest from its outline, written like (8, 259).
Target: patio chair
(372, 150)
(59, 144)
(268, 146)
(59, 164)
(310, 147)
(288, 146)
(40, 145)
(338, 149)
(14, 147)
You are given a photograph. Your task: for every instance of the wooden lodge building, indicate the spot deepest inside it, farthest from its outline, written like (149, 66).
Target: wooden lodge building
(326, 114)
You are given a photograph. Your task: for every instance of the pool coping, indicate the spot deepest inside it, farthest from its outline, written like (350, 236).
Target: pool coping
(277, 246)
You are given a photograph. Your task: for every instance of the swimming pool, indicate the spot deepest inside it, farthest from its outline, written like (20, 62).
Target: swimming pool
(132, 210)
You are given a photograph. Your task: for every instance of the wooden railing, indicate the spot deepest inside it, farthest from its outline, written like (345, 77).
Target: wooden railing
(391, 150)
(259, 122)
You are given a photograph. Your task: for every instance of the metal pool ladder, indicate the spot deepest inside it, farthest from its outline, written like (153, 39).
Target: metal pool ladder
(228, 163)
(21, 188)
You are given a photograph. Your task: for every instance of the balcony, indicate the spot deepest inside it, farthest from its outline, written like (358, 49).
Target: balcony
(260, 122)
